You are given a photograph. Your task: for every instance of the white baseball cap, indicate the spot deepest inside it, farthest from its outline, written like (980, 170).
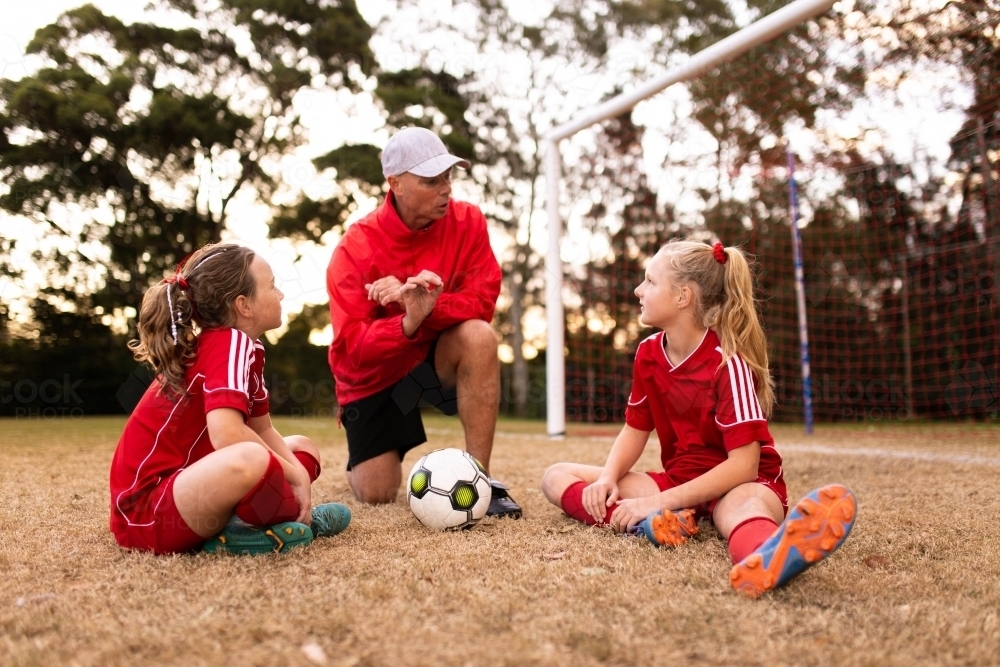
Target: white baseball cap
(418, 151)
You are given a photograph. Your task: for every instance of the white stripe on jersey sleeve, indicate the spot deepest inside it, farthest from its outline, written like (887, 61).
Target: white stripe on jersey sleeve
(733, 385)
(238, 369)
(233, 344)
(742, 376)
(741, 383)
(757, 412)
(247, 361)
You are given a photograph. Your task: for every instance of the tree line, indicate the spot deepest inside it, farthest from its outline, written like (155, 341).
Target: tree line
(131, 144)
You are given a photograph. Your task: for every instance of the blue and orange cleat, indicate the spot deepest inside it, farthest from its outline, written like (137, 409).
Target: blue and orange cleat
(668, 528)
(813, 530)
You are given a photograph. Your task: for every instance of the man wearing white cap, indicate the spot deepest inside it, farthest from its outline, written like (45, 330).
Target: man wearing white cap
(413, 286)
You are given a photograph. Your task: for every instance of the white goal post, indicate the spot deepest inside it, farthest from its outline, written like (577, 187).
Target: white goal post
(736, 44)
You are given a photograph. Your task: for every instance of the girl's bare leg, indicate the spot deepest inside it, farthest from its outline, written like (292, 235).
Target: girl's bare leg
(206, 492)
(746, 501)
(561, 476)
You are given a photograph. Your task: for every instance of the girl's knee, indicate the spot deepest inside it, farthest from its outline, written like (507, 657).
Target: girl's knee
(555, 481)
(728, 515)
(300, 443)
(248, 460)
(550, 472)
(553, 470)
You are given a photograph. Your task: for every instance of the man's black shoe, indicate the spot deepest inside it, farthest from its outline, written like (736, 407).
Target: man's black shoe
(502, 505)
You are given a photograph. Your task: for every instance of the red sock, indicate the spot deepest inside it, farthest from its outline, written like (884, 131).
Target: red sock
(572, 503)
(310, 463)
(748, 535)
(271, 501)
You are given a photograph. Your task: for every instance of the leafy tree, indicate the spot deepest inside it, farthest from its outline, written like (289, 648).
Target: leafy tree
(149, 132)
(947, 264)
(608, 312)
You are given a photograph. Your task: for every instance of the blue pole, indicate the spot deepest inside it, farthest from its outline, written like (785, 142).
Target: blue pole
(800, 291)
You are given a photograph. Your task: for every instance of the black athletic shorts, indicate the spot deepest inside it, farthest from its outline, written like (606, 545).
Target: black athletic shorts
(390, 419)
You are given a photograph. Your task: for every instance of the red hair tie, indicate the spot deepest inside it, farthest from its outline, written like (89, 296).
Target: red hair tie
(719, 253)
(177, 278)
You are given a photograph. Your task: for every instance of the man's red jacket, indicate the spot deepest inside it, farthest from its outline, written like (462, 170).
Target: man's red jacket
(369, 352)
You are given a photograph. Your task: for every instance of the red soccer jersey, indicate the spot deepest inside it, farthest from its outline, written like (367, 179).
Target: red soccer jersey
(162, 437)
(700, 411)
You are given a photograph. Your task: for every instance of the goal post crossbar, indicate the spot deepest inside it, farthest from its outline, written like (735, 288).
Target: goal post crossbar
(740, 42)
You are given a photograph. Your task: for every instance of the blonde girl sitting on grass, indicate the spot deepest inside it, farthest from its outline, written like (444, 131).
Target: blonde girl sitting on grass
(703, 384)
(199, 463)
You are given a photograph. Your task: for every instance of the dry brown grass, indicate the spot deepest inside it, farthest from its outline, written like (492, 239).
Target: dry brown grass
(917, 582)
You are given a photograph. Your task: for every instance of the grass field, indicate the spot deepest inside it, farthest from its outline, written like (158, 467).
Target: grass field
(918, 582)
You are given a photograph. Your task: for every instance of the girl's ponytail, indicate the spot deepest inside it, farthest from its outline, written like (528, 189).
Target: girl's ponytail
(167, 335)
(198, 296)
(739, 327)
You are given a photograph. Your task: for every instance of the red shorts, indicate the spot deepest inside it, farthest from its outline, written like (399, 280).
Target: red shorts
(665, 481)
(160, 528)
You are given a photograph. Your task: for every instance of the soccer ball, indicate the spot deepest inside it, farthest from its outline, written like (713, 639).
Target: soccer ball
(448, 490)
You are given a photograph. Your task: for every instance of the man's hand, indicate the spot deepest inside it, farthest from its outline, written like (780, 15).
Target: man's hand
(419, 294)
(385, 290)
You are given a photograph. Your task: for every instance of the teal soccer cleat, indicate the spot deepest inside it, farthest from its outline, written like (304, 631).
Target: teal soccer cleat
(240, 538)
(329, 519)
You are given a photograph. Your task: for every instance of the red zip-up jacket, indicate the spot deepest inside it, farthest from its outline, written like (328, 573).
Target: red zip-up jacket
(369, 351)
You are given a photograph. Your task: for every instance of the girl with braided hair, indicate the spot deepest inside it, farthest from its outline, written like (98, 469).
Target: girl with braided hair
(199, 462)
(702, 383)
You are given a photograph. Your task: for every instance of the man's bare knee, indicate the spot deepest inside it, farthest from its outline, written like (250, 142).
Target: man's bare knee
(376, 481)
(479, 335)
(372, 496)
(470, 336)
(372, 491)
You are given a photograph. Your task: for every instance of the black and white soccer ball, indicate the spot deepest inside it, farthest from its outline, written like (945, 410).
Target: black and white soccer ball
(448, 489)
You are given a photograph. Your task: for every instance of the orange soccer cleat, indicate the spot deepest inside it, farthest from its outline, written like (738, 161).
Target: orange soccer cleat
(813, 530)
(669, 528)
